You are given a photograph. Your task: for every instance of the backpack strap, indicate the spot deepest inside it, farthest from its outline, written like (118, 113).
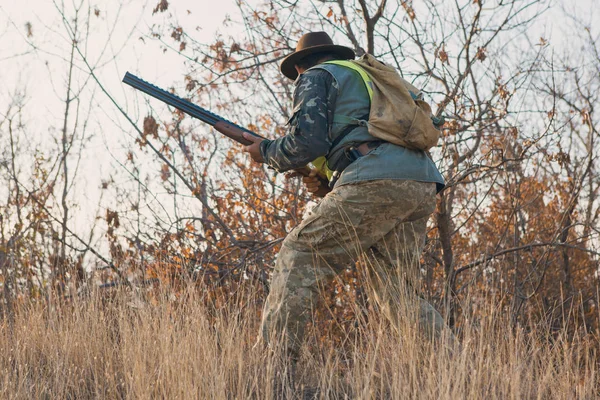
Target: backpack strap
(321, 162)
(351, 124)
(346, 120)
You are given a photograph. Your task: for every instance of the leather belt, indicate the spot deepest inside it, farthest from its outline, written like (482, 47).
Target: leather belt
(353, 153)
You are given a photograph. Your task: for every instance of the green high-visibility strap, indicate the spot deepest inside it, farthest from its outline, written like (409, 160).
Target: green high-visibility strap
(365, 77)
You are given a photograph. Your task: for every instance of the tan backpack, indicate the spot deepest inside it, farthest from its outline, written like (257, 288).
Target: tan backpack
(396, 116)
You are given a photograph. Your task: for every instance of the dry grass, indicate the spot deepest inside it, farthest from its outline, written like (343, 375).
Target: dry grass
(176, 348)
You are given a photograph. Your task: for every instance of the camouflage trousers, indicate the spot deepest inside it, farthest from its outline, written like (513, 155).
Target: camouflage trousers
(382, 219)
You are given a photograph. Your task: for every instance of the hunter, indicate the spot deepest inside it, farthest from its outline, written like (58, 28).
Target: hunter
(378, 201)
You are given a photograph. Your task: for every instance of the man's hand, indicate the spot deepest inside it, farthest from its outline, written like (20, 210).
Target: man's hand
(254, 148)
(314, 183)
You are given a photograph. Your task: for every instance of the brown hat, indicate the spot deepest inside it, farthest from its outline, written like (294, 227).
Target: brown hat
(310, 43)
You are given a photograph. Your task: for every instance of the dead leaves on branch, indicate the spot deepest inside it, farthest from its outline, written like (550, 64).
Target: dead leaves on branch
(177, 33)
(150, 127)
(162, 6)
(165, 172)
(408, 8)
(481, 53)
(442, 54)
(29, 29)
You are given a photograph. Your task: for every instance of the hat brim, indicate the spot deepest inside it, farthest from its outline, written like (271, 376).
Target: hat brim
(288, 64)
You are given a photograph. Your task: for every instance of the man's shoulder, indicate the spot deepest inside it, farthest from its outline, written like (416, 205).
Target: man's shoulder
(313, 80)
(326, 69)
(338, 73)
(314, 74)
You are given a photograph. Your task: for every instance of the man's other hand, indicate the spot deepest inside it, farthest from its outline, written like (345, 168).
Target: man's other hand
(314, 183)
(254, 148)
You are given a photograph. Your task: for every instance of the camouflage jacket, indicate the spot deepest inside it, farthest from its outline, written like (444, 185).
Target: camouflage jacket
(308, 128)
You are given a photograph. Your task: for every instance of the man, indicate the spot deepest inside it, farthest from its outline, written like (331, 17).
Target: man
(379, 204)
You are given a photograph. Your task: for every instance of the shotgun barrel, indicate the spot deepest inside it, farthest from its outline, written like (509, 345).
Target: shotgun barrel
(224, 126)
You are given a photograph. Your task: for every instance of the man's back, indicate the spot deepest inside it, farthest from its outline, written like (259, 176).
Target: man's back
(325, 98)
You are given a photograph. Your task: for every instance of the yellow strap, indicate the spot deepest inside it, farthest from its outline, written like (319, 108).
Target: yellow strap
(365, 77)
(321, 165)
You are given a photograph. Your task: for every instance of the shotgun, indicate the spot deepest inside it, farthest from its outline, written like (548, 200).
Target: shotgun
(222, 125)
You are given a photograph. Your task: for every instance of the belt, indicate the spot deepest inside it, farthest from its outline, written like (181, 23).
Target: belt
(353, 153)
(366, 147)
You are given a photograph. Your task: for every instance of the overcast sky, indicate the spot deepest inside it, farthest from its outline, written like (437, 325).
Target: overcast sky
(34, 50)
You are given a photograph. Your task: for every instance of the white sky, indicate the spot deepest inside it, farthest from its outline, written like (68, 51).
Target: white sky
(37, 66)
(35, 70)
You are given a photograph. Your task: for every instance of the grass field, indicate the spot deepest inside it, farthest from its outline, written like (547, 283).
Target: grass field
(175, 347)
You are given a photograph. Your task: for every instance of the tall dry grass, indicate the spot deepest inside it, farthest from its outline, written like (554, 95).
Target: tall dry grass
(162, 346)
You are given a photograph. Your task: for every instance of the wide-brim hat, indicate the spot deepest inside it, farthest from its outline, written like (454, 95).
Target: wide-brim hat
(310, 43)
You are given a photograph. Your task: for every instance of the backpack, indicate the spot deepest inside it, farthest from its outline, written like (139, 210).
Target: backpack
(398, 113)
